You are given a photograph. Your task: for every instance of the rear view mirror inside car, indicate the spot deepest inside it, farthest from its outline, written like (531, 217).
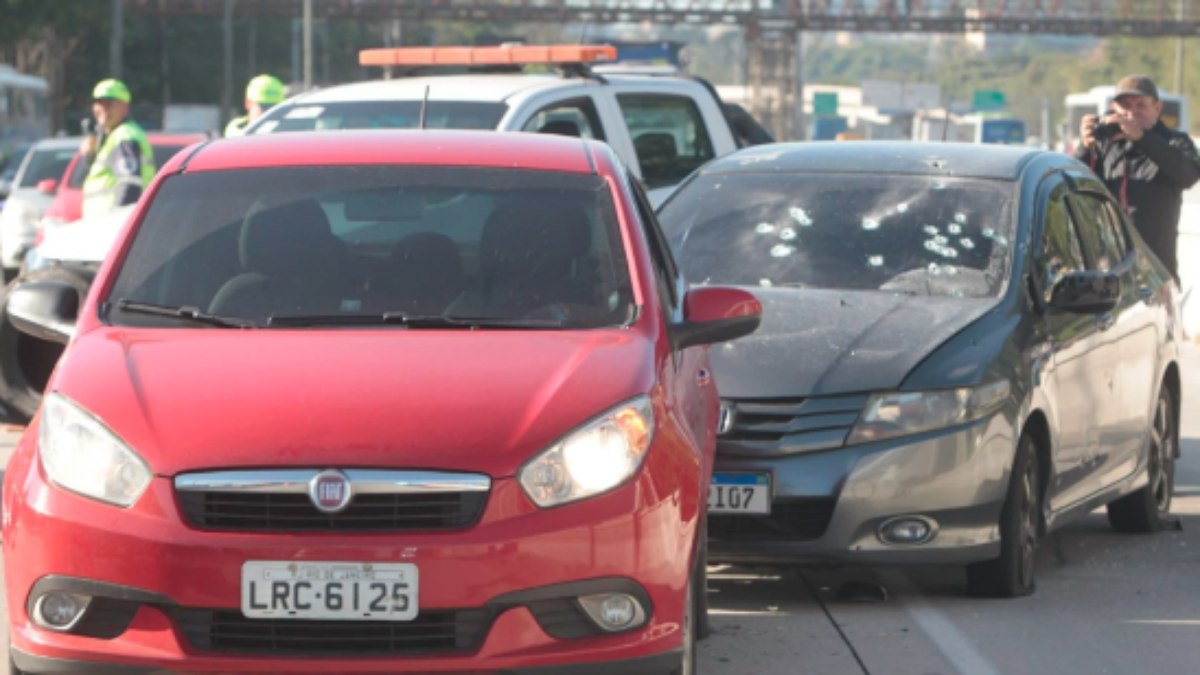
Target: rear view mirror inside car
(385, 205)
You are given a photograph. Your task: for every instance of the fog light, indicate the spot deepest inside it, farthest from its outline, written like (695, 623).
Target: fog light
(906, 530)
(614, 611)
(60, 611)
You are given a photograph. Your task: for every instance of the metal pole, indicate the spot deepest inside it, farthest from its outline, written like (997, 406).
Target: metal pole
(798, 112)
(308, 45)
(1179, 54)
(227, 65)
(117, 39)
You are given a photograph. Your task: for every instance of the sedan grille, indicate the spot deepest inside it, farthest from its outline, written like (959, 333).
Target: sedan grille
(432, 632)
(774, 427)
(790, 520)
(286, 512)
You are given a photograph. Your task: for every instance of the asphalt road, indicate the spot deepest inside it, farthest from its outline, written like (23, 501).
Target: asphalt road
(1106, 603)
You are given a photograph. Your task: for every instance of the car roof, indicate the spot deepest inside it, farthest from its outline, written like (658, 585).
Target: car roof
(544, 152)
(493, 87)
(57, 143)
(174, 138)
(973, 160)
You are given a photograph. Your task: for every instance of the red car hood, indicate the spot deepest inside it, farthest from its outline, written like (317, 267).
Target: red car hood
(482, 401)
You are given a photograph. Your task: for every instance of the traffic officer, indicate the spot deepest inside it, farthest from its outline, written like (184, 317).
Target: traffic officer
(262, 92)
(122, 163)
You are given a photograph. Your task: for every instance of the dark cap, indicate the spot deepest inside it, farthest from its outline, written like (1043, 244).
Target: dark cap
(1136, 85)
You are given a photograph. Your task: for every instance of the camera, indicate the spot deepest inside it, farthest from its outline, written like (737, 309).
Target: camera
(1106, 130)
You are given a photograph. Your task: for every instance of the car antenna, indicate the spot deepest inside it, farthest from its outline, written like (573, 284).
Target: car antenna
(424, 105)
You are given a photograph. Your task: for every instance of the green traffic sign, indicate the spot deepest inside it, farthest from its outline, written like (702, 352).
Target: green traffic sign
(988, 99)
(825, 104)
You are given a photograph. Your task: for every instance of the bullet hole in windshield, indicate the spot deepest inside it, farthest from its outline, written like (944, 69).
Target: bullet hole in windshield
(800, 216)
(870, 224)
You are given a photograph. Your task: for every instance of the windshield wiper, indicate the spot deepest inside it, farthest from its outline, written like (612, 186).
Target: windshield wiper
(412, 321)
(184, 312)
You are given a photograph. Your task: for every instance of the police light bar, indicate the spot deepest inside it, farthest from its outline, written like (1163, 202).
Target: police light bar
(487, 56)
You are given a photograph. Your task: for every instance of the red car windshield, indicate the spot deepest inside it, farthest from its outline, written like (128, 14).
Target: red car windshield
(423, 246)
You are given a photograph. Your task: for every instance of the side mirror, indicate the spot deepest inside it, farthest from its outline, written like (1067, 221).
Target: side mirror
(44, 309)
(47, 186)
(1087, 292)
(716, 314)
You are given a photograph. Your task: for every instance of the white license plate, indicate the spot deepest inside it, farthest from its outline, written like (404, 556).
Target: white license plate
(740, 493)
(329, 590)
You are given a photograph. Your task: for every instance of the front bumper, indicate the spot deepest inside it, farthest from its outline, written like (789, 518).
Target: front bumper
(827, 506)
(512, 571)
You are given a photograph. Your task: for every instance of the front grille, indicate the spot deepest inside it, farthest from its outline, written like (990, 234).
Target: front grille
(290, 512)
(790, 520)
(432, 632)
(773, 427)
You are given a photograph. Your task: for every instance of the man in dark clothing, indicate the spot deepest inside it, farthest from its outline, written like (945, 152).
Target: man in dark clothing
(1144, 164)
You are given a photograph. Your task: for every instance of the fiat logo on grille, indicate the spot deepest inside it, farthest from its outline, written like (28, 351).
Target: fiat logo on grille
(330, 491)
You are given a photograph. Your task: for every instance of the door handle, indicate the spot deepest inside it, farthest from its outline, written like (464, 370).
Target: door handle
(1106, 321)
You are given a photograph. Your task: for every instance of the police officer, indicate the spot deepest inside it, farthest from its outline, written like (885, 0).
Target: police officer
(122, 161)
(262, 92)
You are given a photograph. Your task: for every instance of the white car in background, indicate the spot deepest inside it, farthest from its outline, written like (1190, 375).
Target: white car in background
(1189, 261)
(30, 196)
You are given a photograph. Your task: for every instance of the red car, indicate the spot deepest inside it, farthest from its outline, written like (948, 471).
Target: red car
(373, 402)
(68, 192)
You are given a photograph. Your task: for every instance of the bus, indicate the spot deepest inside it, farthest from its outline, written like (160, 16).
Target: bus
(937, 125)
(24, 107)
(1098, 100)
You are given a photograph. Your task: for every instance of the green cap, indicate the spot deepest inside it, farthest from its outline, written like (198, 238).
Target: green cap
(114, 89)
(265, 90)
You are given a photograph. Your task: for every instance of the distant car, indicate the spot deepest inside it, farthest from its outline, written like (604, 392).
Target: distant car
(1189, 261)
(372, 402)
(67, 205)
(963, 348)
(32, 191)
(662, 125)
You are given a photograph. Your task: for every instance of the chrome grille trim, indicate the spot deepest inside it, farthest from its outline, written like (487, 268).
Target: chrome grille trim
(780, 427)
(364, 481)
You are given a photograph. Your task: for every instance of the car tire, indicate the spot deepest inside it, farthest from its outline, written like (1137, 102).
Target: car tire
(25, 361)
(1012, 573)
(1146, 510)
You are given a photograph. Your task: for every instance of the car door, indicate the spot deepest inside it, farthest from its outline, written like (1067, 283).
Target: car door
(1070, 377)
(1127, 340)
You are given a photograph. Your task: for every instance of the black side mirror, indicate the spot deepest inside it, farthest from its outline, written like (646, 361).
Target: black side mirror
(44, 309)
(1087, 292)
(715, 314)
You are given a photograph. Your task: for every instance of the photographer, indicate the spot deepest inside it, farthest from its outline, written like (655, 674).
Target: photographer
(1144, 164)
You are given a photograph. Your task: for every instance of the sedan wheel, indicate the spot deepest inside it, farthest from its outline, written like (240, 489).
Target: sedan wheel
(1012, 573)
(1147, 509)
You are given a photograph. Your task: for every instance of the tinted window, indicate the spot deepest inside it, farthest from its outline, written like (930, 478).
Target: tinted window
(1061, 253)
(350, 243)
(381, 115)
(668, 135)
(572, 118)
(44, 163)
(1101, 244)
(906, 234)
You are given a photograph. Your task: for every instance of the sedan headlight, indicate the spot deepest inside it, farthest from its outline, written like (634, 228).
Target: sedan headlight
(80, 454)
(903, 413)
(593, 459)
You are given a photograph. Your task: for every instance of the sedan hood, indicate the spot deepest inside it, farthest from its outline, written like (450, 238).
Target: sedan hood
(481, 401)
(819, 342)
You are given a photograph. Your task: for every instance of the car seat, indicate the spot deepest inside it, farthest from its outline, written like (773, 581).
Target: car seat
(424, 274)
(532, 254)
(560, 128)
(292, 264)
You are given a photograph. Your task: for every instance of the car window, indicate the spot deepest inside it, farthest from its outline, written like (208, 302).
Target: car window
(1102, 247)
(353, 243)
(669, 136)
(665, 271)
(908, 234)
(381, 115)
(1061, 252)
(577, 117)
(1114, 232)
(45, 163)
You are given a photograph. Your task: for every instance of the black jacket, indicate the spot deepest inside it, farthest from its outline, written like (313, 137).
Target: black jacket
(1152, 173)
